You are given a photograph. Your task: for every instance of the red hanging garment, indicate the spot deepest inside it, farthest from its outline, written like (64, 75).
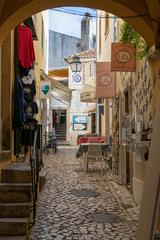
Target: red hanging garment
(26, 55)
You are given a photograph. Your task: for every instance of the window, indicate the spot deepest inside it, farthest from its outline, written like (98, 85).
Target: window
(78, 45)
(100, 43)
(115, 29)
(43, 36)
(106, 23)
(90, 70)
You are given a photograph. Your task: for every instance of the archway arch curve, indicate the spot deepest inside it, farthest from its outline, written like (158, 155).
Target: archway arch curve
(12, 13)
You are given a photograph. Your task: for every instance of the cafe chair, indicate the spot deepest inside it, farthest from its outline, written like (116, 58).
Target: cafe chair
(94, 152)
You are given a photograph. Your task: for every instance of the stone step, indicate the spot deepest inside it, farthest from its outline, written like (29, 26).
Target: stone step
(15, 192)
(12, 238)
(42, 179)
(20, 173)
(13, 226)
(15, 210)
(16, 173)
(59, 137)
(61, 129)
(60, 132)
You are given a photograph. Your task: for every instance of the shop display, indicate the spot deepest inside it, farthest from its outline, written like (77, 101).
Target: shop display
(26, 55)
(25, 106)
(142, 150)
(128, 128)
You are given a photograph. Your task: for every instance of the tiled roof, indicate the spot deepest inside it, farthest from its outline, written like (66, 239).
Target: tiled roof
(90, 53)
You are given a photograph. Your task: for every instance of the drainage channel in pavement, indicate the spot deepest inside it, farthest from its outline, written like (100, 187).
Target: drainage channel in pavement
(103, 217)
(84, 193)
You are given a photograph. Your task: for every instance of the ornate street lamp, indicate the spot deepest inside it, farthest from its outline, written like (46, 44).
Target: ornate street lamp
(75, 63)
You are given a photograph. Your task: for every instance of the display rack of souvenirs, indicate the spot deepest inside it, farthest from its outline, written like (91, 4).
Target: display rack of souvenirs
(135, 136)
(25, 106)
(142, 150)
(128, 128)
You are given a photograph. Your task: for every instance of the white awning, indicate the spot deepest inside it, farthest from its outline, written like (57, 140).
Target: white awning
(87, 93)
(59, 90)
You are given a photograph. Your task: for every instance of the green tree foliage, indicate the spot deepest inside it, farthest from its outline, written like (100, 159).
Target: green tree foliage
(129, 35)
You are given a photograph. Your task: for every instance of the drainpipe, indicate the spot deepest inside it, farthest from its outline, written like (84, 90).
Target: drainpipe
(0, 103)
(97, 109)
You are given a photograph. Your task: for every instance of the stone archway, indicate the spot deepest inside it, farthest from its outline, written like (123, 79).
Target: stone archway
(13, 12)
(147, 12)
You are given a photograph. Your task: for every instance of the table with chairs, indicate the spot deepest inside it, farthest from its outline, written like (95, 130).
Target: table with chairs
(96, 151)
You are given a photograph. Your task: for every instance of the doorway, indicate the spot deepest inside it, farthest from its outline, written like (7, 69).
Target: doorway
(60, 123)
(93, 123)
(128, 156)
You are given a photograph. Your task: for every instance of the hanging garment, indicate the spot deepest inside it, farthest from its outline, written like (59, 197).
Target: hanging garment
(19, 116)
(32, 109)
(29, 92)
(27, 137)
(26, 54)
(31, 120)
(28, 78)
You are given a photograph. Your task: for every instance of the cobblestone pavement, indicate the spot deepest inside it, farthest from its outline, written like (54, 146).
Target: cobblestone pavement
(61, 215)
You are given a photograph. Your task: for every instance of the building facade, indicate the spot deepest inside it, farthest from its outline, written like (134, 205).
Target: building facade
(61, 45)
(82, 83)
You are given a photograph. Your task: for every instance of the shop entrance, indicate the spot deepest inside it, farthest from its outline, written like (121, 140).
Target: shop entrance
(60, 123)
(93, 122)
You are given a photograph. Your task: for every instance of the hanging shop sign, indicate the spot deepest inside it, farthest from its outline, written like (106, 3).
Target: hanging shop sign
(76, 78)
(101, 109)
(105, 80)
(87, 96)
(80, 126)
(45, 89)
(122, 57)
(80, 119)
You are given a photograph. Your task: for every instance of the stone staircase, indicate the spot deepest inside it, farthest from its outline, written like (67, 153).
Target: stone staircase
(60, 131)
(16, 201)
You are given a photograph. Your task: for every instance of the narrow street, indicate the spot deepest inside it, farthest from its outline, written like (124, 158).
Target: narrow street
(62, 215)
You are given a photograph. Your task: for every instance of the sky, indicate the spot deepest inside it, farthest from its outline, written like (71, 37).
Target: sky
(62, 20)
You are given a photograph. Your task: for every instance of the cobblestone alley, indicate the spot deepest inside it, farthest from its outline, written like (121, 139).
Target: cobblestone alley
(62, 215)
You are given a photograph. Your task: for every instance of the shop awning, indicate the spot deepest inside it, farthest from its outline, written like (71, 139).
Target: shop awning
(59, 73)
(92, 110)
(59, 90)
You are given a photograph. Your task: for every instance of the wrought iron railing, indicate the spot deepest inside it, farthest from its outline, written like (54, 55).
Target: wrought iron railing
(36, 162)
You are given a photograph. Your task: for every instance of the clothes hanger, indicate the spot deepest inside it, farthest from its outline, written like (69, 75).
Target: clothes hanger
(22, 24)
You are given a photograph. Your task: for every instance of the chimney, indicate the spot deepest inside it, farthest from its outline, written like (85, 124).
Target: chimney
(85, 32)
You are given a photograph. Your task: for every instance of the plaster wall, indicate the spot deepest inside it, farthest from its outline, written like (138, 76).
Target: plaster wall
(60, 46)
(77, 107)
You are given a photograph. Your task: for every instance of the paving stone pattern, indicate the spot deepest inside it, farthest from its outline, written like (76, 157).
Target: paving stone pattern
(61, 215)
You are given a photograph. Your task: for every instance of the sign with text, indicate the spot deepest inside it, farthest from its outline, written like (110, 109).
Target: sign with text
(80, 119)
(80, 126)
(45, 89)
(105, 80)
(122, 57)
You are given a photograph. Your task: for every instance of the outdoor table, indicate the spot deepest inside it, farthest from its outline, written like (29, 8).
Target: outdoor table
(82, 151)
(94, 139)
